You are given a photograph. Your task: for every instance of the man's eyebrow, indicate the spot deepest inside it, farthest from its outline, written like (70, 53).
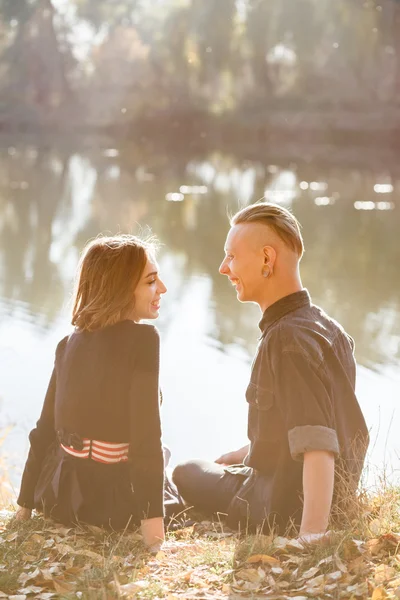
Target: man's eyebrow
(151, 274)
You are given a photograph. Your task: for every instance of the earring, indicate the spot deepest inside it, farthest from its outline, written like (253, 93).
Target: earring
(266, 272)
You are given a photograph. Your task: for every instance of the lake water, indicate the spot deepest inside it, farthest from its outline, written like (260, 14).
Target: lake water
(53, 199)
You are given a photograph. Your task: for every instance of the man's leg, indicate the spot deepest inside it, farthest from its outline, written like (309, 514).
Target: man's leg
(206, 486)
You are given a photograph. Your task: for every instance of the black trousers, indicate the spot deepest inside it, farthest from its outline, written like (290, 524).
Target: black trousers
(207, 486)
(243, 495)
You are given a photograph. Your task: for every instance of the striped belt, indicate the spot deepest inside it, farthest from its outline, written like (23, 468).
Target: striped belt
(104, 452)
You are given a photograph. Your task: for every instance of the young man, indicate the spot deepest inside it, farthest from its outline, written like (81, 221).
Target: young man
(307, 434)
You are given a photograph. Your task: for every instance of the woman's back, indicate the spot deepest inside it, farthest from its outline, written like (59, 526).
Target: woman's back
(100, 379)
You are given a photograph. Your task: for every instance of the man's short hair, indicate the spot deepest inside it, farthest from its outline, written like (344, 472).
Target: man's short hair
(279, 219)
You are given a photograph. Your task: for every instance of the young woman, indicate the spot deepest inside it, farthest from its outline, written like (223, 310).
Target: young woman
(96, 454)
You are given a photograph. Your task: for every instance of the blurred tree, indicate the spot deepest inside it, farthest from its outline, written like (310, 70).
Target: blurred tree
(36, 72)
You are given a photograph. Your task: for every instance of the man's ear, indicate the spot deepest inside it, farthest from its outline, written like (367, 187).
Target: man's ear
(269, 256)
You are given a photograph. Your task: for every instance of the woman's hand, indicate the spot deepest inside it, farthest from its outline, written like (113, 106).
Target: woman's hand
(153, 533)
(23, 514)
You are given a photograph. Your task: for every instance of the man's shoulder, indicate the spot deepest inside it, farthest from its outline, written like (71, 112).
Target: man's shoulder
(308, 331)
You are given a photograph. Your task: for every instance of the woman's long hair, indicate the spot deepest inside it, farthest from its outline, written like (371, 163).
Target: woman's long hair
(109, 271)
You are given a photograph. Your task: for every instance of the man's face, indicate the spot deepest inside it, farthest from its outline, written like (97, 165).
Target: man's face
(244, 261)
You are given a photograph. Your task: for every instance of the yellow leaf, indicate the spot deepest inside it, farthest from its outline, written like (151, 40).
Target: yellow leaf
(263, 558)
(379, 594)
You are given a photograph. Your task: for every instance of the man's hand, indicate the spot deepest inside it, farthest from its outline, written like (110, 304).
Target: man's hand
(23, 514)
(233, 458)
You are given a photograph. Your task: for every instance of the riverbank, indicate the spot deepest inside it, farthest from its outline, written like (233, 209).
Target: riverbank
(39, 559)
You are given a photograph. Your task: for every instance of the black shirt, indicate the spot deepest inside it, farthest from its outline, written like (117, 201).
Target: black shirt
(104, 386)
(301, 398)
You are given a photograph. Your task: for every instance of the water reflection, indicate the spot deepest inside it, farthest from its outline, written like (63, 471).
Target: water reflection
(53, 200)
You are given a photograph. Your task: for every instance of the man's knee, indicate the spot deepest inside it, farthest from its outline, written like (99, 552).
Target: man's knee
(183, 473)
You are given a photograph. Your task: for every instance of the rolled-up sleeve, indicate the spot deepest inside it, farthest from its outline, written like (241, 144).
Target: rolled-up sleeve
(305, 404)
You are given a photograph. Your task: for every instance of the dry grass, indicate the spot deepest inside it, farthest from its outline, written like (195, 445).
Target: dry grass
(39, 559)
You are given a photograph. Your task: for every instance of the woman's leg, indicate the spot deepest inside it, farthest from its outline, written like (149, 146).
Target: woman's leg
(206, 486)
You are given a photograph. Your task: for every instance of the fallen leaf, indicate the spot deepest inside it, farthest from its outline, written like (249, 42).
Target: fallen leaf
(60, 530)
(29, 558)
(62, 586)
(295, 545)
(31, 589)
(310, 573)
(37, 538)
(263, 558)
(379, 594)
(280, 543)
(24, 577)
(325, 561)
(374, 546)
(353, 548)
(375, 526)
(358, 589)
(251, 575)
(340, 564)
(335, 576)
(89, 554)
(64, 549)
(133, 587)
(383, 573)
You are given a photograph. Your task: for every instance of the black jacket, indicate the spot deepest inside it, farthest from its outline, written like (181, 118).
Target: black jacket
(104, 386)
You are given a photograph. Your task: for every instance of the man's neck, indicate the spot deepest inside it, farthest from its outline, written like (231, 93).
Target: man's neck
(279, 291)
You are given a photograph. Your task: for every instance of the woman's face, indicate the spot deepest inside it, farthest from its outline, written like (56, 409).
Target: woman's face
(148, 293)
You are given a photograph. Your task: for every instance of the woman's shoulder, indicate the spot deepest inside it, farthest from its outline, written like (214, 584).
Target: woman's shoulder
(146, 331)
(62, 343)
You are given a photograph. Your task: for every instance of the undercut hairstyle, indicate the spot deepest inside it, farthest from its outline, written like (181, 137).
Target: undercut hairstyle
(279, 219)
(108, 273)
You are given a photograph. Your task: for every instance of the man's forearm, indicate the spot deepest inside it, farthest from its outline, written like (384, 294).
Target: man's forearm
(318, 480)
